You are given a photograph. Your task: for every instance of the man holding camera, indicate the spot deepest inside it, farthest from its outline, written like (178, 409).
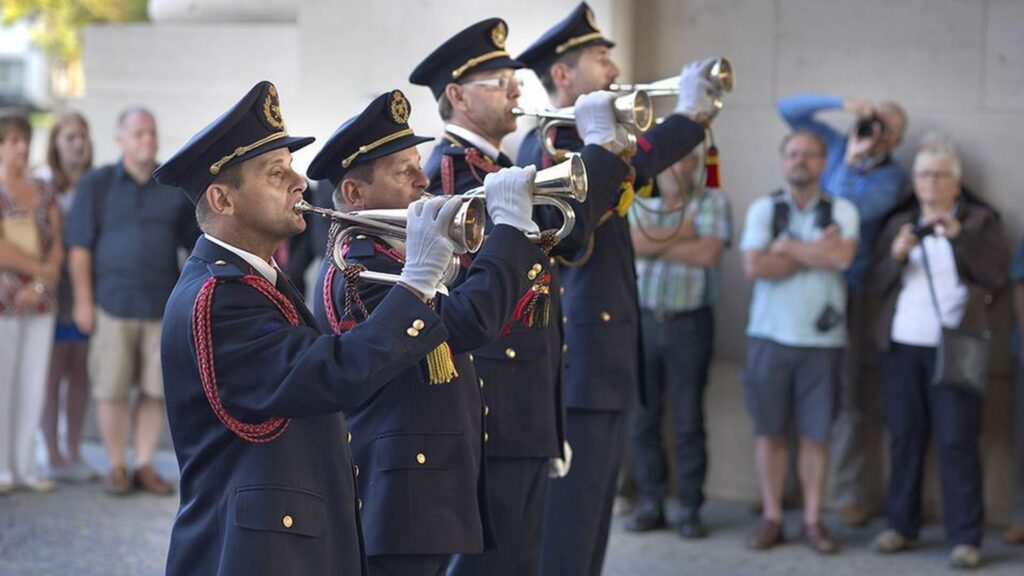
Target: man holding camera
(858, 168)
(796, 243)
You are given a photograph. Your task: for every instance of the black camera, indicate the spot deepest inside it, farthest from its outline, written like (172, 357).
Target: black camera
(828, 319)
(869, 126)
(922, 231)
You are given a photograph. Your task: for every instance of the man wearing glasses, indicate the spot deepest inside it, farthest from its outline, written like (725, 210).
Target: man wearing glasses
(472, 77)
(859, 168)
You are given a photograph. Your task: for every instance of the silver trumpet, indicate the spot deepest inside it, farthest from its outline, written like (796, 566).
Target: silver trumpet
(720, 74)
(466, 230)
(634, 110)
(554, 186)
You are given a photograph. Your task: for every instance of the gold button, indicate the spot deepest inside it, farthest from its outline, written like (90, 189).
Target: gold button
(510, 353)
(359, 502)
(605, 316)
(287, 521)
(355, 470)
(537, 267)
(486, 437)
(551, 261)
(565, 319)
(421, 458)
(470, 356)
(487, 410)
(349, 437)
(418, 324)
(412, 332)
(481, 383)
(220, 263)
(361, 237)
(561, 289)
(531, 274)
(565, 348)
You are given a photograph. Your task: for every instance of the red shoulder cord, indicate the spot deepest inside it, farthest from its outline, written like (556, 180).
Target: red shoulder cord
(202, 333)
(344, 323)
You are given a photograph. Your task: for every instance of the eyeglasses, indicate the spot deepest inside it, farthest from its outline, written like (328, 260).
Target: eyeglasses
(807, 155)
(933, 174)
(506, 83)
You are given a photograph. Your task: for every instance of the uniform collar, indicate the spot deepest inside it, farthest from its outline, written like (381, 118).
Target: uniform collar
(478, 141)
(266, 269)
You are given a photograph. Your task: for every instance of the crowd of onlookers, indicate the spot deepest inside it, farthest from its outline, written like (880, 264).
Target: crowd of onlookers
(853, 264)
(851, 261)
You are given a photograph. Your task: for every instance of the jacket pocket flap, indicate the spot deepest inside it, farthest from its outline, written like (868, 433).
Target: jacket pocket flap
(427, 450)
(280, 509)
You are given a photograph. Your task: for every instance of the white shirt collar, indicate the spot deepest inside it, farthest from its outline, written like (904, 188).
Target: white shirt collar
(266, 269)
(478, 141)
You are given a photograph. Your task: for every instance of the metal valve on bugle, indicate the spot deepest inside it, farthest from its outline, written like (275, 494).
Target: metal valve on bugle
(466, 230)
(634, 111)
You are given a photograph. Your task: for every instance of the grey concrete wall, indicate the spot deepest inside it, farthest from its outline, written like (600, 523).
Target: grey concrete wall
(957, 66)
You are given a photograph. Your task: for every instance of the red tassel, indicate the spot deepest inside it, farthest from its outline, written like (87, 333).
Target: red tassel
(711, 168)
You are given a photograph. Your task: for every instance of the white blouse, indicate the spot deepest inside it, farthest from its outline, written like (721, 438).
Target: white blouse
(915, 322)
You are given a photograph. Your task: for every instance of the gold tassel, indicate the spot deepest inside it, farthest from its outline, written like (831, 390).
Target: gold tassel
(441, 365)
(626, 198)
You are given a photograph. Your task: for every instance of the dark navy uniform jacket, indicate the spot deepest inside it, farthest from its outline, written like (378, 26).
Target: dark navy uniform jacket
(523, 369)
(601, 313)
(287, 506)
(418, 445)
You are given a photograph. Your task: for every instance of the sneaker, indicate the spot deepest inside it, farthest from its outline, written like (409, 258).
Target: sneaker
(118, 482)
(768, 534)
(965, 556)
(649, 516)
(818, 538)
(853, 515)
(890, 541)
(1014, 534)
(40, 485)
(147, 479)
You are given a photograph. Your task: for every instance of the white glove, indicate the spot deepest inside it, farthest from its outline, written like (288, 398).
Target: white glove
(595, 117)
(558, 467)
(510, 198)
(695, 90)
(428, 249)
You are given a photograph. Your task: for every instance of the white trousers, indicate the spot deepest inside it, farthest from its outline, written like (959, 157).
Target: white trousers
(26, 342)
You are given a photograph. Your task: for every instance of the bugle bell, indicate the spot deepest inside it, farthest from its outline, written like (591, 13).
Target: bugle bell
(720, 74)
(634, 111)
(554, 186)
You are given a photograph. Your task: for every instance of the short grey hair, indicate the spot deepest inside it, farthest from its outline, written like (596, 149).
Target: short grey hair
(944, 152)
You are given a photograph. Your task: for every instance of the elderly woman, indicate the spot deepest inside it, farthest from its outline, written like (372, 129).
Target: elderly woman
(30, 257)
(968, 258)
(68, 156)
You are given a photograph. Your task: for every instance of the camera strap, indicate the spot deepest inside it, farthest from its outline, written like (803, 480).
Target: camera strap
(781, 211)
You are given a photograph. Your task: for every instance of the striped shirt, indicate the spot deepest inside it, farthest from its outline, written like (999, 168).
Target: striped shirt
(665, 286)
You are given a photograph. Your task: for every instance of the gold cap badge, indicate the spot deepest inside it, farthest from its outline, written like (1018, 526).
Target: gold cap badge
(498, 35)
(272, 109)
(399, 108)
(591, 21)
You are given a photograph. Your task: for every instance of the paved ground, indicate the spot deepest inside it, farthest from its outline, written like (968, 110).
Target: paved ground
(79, 530)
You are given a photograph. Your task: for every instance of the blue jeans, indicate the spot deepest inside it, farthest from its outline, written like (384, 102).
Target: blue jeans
(677, 355)
(913, 408)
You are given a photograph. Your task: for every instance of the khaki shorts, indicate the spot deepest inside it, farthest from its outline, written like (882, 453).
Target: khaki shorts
(124, 352)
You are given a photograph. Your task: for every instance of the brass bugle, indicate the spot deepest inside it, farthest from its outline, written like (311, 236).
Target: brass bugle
(720, 74)
(555, 186)
(466, 230)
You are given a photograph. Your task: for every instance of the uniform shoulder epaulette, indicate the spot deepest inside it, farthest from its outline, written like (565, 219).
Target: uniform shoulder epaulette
(223, 270)
(361, 246)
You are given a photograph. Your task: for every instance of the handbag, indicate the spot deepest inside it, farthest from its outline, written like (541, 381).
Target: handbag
(961, 358)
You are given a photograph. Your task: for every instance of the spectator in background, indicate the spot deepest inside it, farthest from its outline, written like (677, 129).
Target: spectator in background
(30, 259)
(124, 233)
(1015, 533)
(68, 156)
(796, 244)
(968, 260)
(678, 238)
(860, 169)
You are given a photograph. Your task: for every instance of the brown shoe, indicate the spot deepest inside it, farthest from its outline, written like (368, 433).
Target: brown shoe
(1014, 534)
(118, 483)
(767, 535)
(854, 515)
(147, 479)
(818, 538)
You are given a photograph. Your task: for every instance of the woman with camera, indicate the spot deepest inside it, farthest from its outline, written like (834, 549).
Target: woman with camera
(936, 267)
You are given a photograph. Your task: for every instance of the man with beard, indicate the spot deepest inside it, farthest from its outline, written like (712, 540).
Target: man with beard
(796, 244)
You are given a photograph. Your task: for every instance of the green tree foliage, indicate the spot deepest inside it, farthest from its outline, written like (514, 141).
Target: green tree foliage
(57, 24)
